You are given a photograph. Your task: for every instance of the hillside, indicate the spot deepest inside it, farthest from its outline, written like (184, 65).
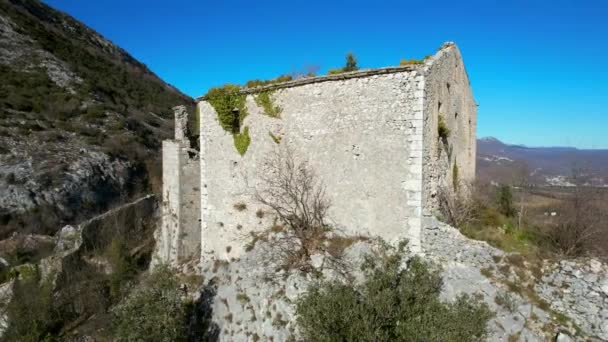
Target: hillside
(552, 166)
(81, 120)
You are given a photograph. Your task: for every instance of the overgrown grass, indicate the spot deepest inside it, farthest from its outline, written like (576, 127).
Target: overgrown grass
(411, 62)
(261, 83)
(501, 231)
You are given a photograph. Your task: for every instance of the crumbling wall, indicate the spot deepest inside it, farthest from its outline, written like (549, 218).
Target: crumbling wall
(447, 96)
(363, 137)
(179, 236)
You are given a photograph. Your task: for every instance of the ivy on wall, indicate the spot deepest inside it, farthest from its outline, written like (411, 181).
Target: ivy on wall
(229, 104)
(265, 101)
(242, 141)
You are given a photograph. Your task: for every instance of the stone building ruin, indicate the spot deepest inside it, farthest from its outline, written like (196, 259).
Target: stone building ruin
(376, 138)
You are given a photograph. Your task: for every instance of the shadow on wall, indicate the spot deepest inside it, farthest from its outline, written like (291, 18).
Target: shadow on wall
(201, 326)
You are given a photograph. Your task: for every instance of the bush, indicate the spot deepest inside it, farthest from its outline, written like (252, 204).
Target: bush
(123, 268)
(154, 311)
(30, 313)
(351, 63)
(392, 304)
(505, 201)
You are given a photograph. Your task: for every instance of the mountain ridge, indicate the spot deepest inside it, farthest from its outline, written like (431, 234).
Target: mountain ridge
(81, 120)
(552, 166)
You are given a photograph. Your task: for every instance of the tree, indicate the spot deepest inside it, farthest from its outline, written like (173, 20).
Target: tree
(505, 201)
(522, 181)
(351, 63)
(582, 221)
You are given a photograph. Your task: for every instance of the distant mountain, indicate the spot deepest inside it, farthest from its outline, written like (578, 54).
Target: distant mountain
(558, 166)
(81, 120)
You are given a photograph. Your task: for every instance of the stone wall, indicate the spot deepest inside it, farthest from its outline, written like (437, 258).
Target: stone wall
(180, 234)
(361, 135)
(447, 95)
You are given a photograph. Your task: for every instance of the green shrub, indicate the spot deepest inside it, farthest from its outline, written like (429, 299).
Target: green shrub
(242, 140)
(123, 268)
(30, 313)
(264, 100)
(393, 304)
(505, 201)
(229, 104)
(351, 63)
(442, 129)
(154, 311)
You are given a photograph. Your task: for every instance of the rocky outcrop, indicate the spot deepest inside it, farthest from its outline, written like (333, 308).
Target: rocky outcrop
(533, 299)
(42, 189)
(247, 303)
(579, 289)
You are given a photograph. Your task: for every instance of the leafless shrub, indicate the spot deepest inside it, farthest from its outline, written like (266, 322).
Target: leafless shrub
(458, 207)
(292, 191)
(582, 223)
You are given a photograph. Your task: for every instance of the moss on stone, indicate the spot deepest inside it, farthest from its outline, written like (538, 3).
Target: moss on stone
(242, 140)
(264, 100)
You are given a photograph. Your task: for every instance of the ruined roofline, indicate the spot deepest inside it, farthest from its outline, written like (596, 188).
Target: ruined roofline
(343, 76)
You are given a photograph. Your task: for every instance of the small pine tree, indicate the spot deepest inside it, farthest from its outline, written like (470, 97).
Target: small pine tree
(351, 62)
(505, 201)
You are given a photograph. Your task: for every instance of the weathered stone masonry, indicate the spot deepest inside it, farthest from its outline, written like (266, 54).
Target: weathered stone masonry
(371, 137)
(180, 232)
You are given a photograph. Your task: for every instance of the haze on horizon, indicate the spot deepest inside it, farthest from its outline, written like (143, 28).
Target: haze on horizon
(536, 67)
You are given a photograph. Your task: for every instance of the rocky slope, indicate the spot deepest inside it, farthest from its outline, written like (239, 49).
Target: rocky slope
(80, 120)
(532, 300)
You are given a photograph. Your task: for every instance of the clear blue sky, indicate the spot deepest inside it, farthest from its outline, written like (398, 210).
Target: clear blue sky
(538, 68)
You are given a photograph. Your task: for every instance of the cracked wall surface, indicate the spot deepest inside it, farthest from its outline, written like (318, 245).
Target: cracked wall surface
(363, 138)
(370, 136)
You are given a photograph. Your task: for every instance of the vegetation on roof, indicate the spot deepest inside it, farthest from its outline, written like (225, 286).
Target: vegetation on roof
(260, 83)
(350, 65)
